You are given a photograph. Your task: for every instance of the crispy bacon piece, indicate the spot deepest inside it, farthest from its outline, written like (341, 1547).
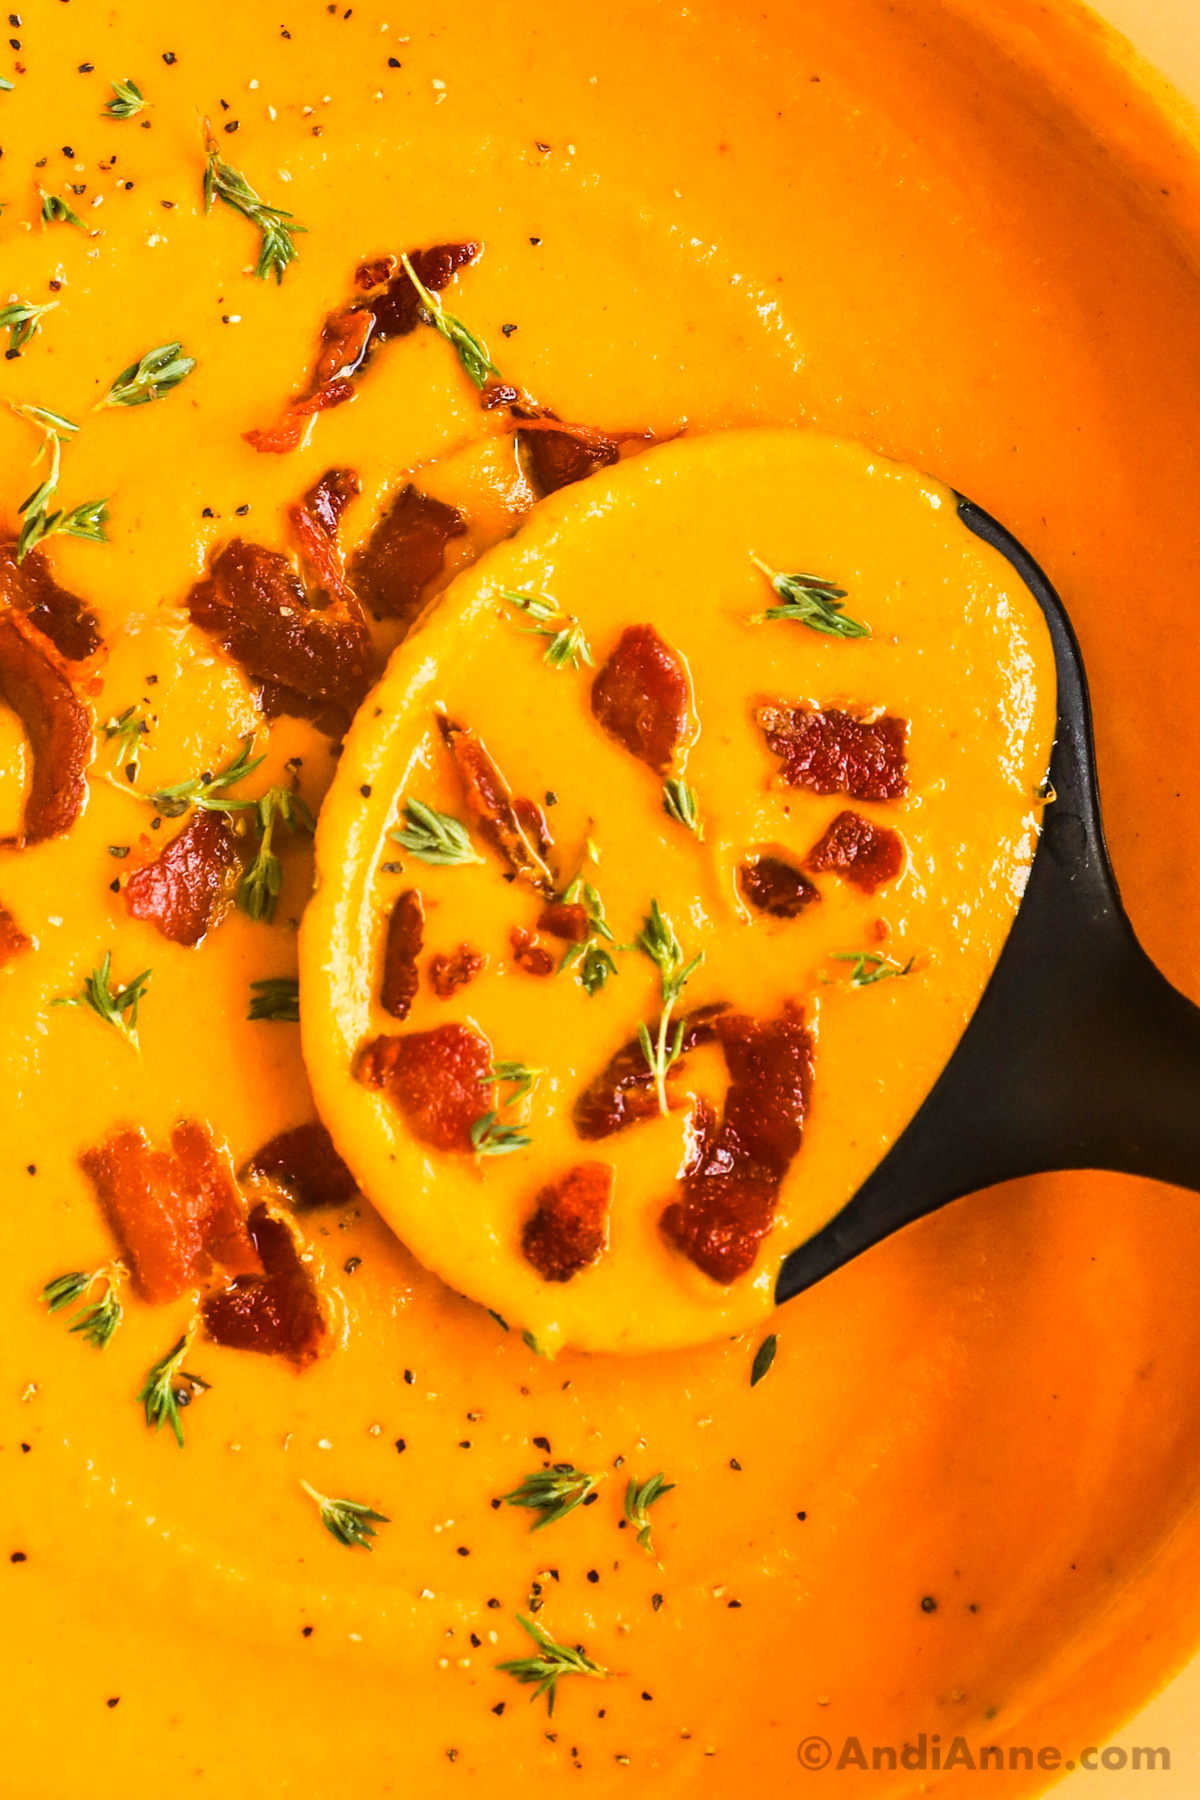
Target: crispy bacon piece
(624, 1092)
(182, 890)
(13, 941)
(862, 853)
(569, 1229)
(564, 919)
(831, 753)
(402, 946)
(435, 1078)
(30, 587)
(510, 826)
(774, 887)
(175, 1213)
(33, 682)
(397, 311)
(449, 973)
(276, 1312)
(528, 954)
(308, 663)
(316, 521)
(404, 553)
(555, 459)
(641, 697)
(305, 1162)
(729, 1191)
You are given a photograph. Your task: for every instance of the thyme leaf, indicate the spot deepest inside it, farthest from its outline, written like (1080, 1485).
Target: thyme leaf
(764, 1356)
(872, 965)
(434, 837)
(471, 351)
(221, 182)
(168, 1386)
(149, 378)
(596, 961)
(98, 1319)
(553, 1493)
(349, 1521)
(552, 1661)
(657, 940)
(567, 648)
(259, 887)
(493, 1135)
(126, 731)
(276, 997)
(97, 993)
(127, 100)
(55, 211)
(37, 521)
(681, 803)
(639, 1498)
(208, 791)
(811, 601)
(22, 321)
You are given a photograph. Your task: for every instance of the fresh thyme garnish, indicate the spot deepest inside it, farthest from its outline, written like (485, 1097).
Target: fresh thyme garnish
(5, 86)
(126, 731)
(568, 648)
(86, 521)
(639, 1498)
(208, 791)
(471, 350)
(553, 1493)
(98, 994)
(349, 1521)
(223, 183)
(764, 1356)
(127, 100)
(153, 375)
(810, 601)
(872, 965)
(596, 961)
(278, 997)
(434, 837)
(657, 940)
(96, 1319)
(491, 1135)
(553, 1660)
(259, 887)
(22, 321)
(55, 211)
(168, 1386)
(681, 803)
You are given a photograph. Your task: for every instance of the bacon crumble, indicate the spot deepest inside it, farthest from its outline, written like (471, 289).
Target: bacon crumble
(862, 853)
(316, 521)
(402, 946)
(515, 829)
(34, 683)
(305, 1163)
(528, 954)
(275, 1313)
(449, 973)
(567, 920)
(183, 890)
(569, 1227)
(642, 697)
(829, 752)
(404, 553)
(774, 887)
(30, 587)
(13, 941)
(435, 1079)
(624, 1091)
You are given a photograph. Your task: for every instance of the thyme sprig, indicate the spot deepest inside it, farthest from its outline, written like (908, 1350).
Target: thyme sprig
(37, 521)
(55, 211)
(349, 1521)
(259, 887)
(152, 376)
(208, 791)
(493, 1135)
(276, 997)
(553, 1493)
(682, 803)
(764, 1356)
(127, 100)
(168, 1386)
(657, 940)
(471, 350)
(811, 601)
(22, 320)
(126, 731)
(552, 1661)
(221, 182)
(639, 1498)
(596, 961)
(97, 992)
(96, 1320)
(434, 837)
(871, 966)
(567, 648)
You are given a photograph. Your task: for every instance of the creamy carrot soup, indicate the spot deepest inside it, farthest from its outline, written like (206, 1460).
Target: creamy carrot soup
(416, 1070)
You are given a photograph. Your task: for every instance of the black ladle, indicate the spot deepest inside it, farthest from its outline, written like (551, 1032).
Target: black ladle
(1080, 1055)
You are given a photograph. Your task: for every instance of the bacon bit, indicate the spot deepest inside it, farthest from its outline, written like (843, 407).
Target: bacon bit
(282, 439)
(555, 459)
(528, 954)
(435, 1078)
(13, 941)
(511, 827)
(305, 1162)
(315, 523)
(862, 853)
(30, 587)
(449, 973)
(624, 1092)
(370, 275)
(563, 919)
(182, 890)
(311, 664)
(774, 887)
(535, 825)
(404, 553)
(569, 1229)
(174, 1212)
(276, 1312)
(405, 933)
(641, 697)
(398, 311)
(33, 682)
(730, 1189)
(831, 753)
